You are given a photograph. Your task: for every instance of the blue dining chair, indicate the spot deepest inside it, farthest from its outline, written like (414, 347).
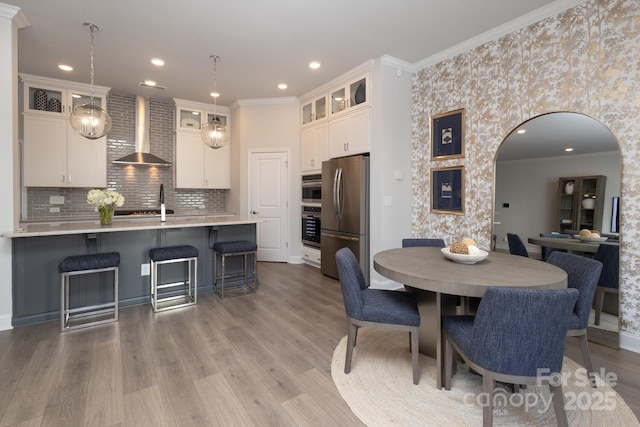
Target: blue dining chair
(375, 308)
(609, 256)
(546, 250)
(517, 336)
(582, 274)
(516, 247)
(423, 242)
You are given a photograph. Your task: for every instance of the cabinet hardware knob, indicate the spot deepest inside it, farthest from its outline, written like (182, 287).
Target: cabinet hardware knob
(255, 212)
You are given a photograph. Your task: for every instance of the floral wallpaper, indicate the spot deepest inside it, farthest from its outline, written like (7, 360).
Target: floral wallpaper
(585, 60)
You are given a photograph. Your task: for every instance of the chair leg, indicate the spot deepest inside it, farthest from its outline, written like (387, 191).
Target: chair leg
(599, 301)
(351, 342)
(414, 355)
(558, 405)
(586, 356)
(488, 384)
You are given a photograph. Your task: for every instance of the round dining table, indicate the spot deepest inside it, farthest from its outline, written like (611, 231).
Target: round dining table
(437, 282)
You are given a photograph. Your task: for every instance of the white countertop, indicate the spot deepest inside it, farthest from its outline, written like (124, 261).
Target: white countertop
(79, 227)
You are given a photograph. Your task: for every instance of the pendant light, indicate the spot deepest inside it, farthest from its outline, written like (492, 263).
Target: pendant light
(214, 133)
(90, 120)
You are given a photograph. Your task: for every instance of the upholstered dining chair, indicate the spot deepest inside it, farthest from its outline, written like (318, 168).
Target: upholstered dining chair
(434, 243)
(546, 250)
(516, 247)
(582, 274)
(517, 336)
(609, 256)
(375, 308)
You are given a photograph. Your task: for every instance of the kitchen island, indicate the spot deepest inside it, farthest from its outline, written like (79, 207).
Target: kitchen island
(38, 248)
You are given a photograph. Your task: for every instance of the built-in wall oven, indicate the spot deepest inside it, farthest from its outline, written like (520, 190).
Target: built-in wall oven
(312, 188)
(311, 225)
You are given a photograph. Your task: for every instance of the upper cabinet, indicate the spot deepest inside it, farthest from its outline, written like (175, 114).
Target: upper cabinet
(54, 155)
(314, 147)
(58, 98)
(581, 202)
(314, 109)
(196, 164)
(350, 95)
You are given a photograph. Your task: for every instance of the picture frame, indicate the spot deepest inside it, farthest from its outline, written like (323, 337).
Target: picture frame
(447, 190)
(447, 135)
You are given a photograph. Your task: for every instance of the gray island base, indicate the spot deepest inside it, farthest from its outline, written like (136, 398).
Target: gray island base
(38, 249)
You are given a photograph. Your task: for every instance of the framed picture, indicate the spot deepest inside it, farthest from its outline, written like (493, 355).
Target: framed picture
(447, 190)
(447, 135)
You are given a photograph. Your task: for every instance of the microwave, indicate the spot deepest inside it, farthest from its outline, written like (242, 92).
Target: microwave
(312, 188)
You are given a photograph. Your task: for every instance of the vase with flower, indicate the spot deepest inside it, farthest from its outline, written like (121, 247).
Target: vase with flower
(106, 201)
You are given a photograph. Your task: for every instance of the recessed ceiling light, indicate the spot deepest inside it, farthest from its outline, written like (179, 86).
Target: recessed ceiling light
(157, 61)
(150, 83)
(521, 131)
(195, 113)
(214, 94)
(65, 67)
(568, 149)
(282, 86)
(314, 65)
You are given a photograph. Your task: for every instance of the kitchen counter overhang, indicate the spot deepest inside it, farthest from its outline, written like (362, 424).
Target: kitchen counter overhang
(80, 227)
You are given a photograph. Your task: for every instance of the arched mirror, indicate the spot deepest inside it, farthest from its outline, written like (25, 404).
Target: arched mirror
(532, 198)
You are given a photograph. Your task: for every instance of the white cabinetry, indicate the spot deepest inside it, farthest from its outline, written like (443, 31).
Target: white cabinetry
(314, 109)
(54, 155)
(311, 256)
(352, 94)
(314, 147)
(198, 165)
(349, 134)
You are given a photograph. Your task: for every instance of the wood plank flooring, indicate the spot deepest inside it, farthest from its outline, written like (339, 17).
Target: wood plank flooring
(261, 359)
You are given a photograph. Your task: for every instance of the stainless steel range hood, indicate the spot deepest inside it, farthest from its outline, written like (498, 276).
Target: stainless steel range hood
(142, 155)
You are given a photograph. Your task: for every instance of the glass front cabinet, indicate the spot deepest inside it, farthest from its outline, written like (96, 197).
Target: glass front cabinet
(581, 203)
(353, 94)
(314, 110)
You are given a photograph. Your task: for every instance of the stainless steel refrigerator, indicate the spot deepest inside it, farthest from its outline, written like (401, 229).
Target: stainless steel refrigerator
(345, 212)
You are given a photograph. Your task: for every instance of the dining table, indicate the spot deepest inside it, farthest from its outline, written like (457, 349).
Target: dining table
(572, 245)
(437, 283)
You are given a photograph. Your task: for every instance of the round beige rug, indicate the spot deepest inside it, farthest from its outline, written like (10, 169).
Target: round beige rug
(380, 391)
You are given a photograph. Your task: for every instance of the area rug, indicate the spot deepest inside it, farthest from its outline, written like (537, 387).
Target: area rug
(380, 391)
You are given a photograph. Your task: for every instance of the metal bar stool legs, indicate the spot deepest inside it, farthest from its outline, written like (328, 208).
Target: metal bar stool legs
(167, 296)
(230, 249)
(87, 315)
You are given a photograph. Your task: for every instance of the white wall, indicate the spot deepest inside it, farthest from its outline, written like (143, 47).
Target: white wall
(531, 189)
(266, 124)
(390, 174)
(9, 165)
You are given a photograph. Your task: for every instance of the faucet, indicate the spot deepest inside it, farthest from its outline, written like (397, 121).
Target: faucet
(161, 200)
(163, 212)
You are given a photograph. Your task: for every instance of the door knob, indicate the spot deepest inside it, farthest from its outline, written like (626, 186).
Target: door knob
(255, 212)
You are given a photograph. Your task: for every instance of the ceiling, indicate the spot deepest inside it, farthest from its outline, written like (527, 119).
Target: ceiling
(261, 43)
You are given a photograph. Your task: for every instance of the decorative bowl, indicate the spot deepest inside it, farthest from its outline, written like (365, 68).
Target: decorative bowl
(591, 239)
(464, 259)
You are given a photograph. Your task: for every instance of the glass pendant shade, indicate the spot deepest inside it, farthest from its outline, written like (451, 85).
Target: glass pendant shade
(90, 121)
(214, 134)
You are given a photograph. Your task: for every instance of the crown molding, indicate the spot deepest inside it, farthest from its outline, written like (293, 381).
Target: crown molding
(15, 14)
(392, 61)
(537, 15)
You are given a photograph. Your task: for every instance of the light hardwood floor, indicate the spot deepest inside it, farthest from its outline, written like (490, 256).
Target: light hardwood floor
(261, 359)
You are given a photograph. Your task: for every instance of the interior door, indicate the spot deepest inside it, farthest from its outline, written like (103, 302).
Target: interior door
(268, 200)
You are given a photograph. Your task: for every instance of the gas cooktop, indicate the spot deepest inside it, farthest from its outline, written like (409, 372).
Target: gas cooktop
(140, 212)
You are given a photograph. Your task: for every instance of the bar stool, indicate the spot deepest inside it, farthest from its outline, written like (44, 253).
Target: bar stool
(238, 248)
(162, 293)
(87, 264)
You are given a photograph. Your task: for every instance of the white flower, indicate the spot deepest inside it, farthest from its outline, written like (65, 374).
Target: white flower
(104, 198)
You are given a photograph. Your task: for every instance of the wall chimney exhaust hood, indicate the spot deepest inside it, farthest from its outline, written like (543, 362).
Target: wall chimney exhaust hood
(142, 155)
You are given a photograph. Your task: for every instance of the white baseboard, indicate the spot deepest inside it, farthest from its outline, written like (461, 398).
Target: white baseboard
(295, 260)
(630, 342)
(5, 322)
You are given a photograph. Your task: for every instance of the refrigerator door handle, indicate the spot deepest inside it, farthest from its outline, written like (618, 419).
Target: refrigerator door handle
(335, 192)
(339, 192)
(340, 237)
